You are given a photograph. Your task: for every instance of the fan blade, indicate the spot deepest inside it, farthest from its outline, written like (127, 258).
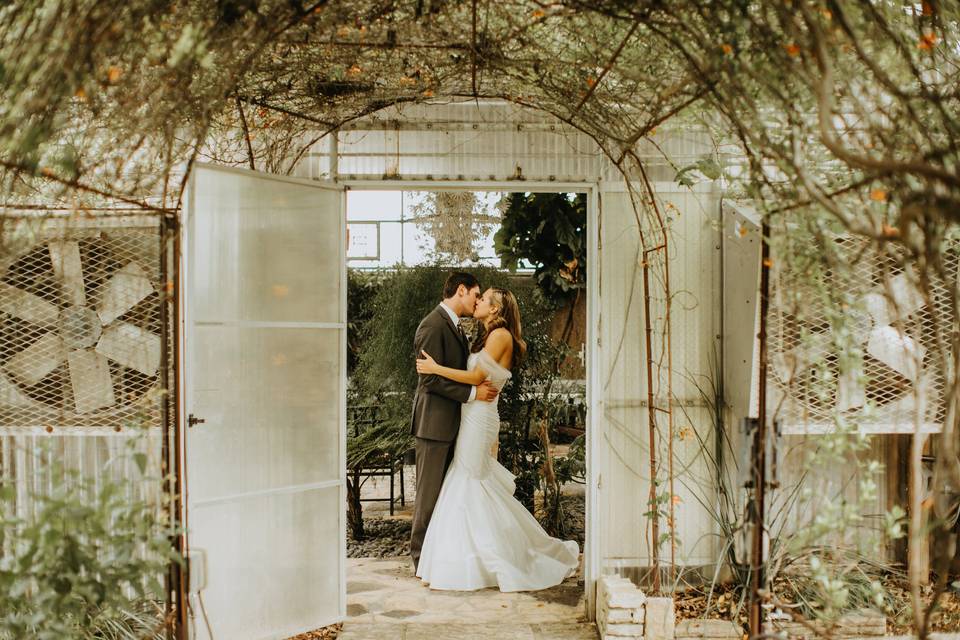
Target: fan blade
(90, 379)
(65, 258)
(26, 306)
(35, 363)
(903, 300)
(879, 308)
(123, 291)
(131, 346)
(11, 396)
(897, 350)
(906, 297)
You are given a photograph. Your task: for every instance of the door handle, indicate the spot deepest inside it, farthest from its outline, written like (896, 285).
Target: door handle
(193, 420)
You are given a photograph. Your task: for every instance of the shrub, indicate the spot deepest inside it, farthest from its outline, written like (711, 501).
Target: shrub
(386, 375)
(86, 562)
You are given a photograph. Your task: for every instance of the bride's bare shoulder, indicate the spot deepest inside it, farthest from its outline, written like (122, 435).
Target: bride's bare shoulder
(500, 336)
(499, 346)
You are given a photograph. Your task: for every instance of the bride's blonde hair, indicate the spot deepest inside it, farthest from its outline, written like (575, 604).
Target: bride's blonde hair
(508, 316)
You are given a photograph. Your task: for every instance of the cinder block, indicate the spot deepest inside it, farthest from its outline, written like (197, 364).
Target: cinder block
(660, 622)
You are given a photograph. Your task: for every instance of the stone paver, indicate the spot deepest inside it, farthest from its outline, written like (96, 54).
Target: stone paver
(492, 631)
(385, 600)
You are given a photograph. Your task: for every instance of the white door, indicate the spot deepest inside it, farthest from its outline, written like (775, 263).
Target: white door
(264, 370)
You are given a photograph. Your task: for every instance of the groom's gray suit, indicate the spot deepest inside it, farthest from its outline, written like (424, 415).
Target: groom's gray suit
(436, 416)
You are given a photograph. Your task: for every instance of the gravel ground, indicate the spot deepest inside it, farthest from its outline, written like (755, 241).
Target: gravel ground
(390, 537)
(385, 538)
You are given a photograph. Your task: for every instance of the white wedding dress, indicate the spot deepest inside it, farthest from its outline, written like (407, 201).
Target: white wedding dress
(480, 535)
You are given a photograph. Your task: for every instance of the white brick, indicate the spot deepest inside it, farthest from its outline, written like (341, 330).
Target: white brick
(723, 629)
(659, 622)
(639, 614)
(625, 630)
(605, 584)
(626, 598)
(619, 615)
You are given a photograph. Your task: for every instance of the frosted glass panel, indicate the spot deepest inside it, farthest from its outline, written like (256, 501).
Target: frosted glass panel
(270, 561)
(263, 250)
(265, 374)
(269, 395)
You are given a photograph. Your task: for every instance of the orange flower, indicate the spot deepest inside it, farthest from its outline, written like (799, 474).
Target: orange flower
(80, 94)
(537, 14)
(768, 263)
(889, 232)
(878, 195)
(792, 49)
(727, 49)
(591, 81)
(927, 41)
(113, 74)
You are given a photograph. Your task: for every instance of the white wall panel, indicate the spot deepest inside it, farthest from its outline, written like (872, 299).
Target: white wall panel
(624, 458)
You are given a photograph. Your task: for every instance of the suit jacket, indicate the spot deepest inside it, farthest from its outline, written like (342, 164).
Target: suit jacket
(437, 400)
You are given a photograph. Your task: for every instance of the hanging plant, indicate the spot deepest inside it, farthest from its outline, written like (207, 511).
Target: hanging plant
(548, 231)
(456, 222)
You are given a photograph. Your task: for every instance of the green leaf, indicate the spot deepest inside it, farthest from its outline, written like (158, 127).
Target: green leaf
(141, 460)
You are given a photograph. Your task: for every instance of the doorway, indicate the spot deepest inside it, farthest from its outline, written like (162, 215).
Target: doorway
(420, 229)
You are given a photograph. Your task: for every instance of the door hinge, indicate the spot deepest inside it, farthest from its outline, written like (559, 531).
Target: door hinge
(193, 420)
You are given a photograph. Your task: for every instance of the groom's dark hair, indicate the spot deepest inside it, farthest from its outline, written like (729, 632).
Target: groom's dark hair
(457, 278)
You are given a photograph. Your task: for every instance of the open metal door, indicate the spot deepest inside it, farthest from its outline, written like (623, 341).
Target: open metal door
(264, 379)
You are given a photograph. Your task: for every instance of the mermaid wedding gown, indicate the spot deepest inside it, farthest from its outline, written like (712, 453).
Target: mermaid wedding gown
(480, 535)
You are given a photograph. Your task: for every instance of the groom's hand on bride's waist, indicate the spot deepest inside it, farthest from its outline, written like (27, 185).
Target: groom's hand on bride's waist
(486, 392)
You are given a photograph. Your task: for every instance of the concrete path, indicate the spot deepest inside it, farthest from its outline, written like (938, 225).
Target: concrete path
(386, 601)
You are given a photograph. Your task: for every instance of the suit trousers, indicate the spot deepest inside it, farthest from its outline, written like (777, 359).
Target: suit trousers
(433, 459)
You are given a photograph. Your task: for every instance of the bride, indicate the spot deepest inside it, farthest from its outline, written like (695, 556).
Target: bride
(480, 535)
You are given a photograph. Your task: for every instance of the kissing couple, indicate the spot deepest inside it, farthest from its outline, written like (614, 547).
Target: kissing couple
(469, 532)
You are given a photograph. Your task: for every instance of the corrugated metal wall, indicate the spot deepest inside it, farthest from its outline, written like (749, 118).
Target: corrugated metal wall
(624, 456)
(485, 140)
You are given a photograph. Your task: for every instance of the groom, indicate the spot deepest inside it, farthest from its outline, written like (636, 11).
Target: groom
(436, 403)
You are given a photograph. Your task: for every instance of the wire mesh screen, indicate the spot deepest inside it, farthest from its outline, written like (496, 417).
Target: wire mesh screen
(80, 321)
(854, 336)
